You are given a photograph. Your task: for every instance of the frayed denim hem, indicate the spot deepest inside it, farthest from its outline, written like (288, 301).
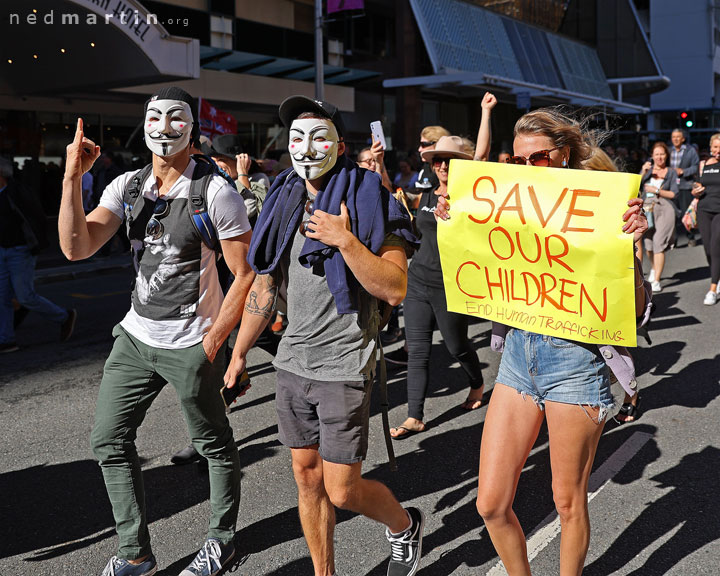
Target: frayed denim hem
(539, 402)
(603, 409)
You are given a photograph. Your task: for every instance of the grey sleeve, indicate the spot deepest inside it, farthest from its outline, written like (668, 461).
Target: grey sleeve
(691, 170)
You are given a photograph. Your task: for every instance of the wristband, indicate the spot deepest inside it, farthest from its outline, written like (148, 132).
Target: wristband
(241, 175)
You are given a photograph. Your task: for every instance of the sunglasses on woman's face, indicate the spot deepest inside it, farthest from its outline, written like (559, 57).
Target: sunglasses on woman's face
(154, 227)
(424, 144)
(439, 162)
(539, 158)
(309, 209)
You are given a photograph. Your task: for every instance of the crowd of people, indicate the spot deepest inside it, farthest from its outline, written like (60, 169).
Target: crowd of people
(324, 237)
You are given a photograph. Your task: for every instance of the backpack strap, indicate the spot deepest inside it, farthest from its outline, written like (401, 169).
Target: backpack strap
(198, 206)
(619, 360)
(132, 191)
(384, 404)
(497, 340)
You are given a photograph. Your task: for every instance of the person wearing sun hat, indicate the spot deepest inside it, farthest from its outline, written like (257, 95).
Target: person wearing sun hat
(425, 303)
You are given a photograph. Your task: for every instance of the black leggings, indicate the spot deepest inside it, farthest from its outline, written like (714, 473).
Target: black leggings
(423, 306)
(709, 225)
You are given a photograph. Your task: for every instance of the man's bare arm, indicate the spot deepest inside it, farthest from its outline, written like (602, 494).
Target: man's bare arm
(259, 308)
(81, 237)
(383, 275)
(235, 252)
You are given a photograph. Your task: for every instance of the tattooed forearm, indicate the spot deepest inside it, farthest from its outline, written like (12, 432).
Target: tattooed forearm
(262, 296)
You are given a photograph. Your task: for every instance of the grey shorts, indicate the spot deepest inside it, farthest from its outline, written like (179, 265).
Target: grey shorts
(334, 415)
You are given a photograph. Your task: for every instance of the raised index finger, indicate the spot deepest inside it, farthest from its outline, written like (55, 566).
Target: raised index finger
(79, 132)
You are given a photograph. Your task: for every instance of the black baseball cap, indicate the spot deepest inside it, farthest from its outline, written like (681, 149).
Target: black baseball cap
(293, 106)
(175, 93)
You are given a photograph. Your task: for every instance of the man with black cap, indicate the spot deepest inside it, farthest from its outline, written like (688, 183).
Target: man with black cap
(176, 327)
(333, 240)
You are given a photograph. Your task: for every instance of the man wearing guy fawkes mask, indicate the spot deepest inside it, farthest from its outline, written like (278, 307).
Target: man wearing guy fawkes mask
(334, 240)
(176, 327)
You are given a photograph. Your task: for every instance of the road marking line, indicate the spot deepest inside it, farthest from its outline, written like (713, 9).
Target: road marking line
(549, 528)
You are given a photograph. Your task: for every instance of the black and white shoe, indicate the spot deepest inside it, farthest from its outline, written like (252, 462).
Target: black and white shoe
(406, 547)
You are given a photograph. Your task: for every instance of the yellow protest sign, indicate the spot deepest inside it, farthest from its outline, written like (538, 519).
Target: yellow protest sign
(541, 249)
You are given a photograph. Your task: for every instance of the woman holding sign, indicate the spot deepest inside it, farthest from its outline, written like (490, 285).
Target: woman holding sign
(659, 187)
(565, 383)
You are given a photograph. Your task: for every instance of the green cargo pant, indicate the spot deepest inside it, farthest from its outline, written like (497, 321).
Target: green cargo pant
(134, 375)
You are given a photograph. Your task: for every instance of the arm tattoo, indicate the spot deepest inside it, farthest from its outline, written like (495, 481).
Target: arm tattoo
(262, 296)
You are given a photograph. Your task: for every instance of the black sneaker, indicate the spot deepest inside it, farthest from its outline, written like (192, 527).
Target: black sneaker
(211, 559)
(406, 547)
(67, 327)
(399, 356)
(9, 347)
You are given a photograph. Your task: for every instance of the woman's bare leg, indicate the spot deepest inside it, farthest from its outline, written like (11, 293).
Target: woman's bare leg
(574, 437)
(510, 430)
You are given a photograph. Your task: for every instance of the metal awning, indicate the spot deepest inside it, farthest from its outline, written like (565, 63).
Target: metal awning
(54, 46)
(469, 46)
(264, 65)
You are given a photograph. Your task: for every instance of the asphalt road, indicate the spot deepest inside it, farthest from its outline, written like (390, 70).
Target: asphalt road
(654, 506)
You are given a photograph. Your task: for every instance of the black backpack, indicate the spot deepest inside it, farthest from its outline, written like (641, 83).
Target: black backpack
(205, 170)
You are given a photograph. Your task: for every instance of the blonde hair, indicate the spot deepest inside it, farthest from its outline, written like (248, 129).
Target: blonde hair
(600, 161)
(433, 133)
(715, 136)
(562, 130)
(468, 146)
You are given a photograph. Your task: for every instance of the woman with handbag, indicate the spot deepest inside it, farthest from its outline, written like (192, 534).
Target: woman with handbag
(707, 190)
(658, 187)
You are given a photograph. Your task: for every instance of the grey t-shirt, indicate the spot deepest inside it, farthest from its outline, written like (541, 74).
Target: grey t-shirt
(319, 343)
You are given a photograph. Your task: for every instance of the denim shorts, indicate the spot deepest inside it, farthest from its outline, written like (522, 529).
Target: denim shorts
(554, 369)
(334, 415)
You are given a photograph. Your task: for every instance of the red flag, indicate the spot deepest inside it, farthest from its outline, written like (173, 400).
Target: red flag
(340, 5)
(214, 121)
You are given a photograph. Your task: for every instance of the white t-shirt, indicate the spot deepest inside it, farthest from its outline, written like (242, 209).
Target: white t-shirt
(227, 212)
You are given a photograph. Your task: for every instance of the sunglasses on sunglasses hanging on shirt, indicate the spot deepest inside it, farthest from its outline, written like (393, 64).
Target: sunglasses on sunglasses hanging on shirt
(539, 158)
(309, 209)
(155, 228)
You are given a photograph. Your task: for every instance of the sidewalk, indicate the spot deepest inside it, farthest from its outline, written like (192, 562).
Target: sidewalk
(52, 266)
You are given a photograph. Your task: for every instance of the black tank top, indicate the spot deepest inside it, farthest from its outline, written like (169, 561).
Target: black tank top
(710, 201)
(425, 264)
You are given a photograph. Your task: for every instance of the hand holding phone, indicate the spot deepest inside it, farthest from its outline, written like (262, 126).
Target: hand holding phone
(242, 384)
(378, 135)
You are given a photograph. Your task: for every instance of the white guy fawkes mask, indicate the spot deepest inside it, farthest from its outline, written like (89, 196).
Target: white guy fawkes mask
(313, 146)
(168, 125)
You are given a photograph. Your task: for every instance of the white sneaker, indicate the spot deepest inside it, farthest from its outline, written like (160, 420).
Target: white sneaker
(711, 298)
(651, 276)
(656, 287)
